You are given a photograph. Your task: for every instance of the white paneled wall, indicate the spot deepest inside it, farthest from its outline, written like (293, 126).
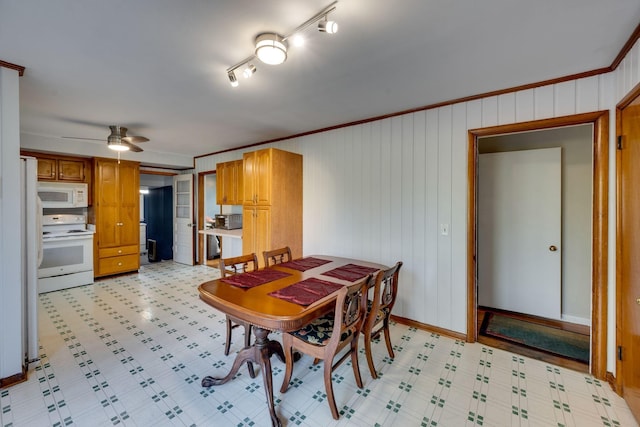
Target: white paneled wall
(382, 190)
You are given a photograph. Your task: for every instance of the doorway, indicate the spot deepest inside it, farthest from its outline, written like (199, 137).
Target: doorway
(207, 209)
(598, 235)
(156, 215)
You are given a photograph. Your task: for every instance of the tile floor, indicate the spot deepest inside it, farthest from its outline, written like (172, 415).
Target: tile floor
(130, 351)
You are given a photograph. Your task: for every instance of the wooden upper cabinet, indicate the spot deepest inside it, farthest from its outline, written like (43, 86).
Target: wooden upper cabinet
(62, 169)
(229, 179)
(72, 170)
(47, 169)
(257, 174)
(52, 167)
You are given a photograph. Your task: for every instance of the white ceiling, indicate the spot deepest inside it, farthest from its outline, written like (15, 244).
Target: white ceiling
(158, 67)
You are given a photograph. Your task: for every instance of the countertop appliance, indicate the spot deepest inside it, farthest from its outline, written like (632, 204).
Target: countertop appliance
(228, 221)
(63, 194)
(67, 252)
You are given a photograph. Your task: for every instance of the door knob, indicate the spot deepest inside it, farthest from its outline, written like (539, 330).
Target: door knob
(638, 301)
(552, 248)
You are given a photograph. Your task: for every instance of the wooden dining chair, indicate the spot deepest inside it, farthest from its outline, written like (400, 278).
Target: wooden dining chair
(229, 267)
(327, 335)
(277, 256)
(379, 306)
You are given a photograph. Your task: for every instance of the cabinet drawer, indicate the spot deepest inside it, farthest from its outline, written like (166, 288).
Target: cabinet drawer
(118, 264)
(118, 251)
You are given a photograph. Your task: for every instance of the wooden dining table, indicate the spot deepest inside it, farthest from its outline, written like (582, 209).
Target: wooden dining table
(269, 313)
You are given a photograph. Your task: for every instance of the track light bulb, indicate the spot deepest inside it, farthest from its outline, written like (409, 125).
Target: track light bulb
(329, 27)
(232, 79)
(298, 40)
(249, 71)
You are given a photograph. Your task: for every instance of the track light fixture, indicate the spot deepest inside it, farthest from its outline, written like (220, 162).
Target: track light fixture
(271, 48)
(249, 71)
(329, 27)
(232, 79)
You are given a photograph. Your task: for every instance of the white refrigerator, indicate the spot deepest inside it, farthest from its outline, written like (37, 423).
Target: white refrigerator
(31, 254)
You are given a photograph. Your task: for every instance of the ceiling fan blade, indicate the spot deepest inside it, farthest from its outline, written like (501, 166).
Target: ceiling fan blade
(84, 139)
(136, 139)
(132, 147)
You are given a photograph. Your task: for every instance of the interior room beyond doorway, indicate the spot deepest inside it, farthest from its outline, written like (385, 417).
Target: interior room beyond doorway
(575, 245)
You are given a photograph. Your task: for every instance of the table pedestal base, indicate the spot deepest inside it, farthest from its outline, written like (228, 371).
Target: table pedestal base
(260, 352)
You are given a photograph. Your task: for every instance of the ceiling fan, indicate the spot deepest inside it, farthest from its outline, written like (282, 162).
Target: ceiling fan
(118, 140)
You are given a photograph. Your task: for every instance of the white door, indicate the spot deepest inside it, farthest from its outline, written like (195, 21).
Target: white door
(519, 231)
(183, 223)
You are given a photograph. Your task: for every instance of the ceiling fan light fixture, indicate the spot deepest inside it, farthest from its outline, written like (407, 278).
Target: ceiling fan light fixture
(117, 145)
(271, 48)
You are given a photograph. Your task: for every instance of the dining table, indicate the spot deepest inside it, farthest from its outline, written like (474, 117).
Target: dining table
(280, 298)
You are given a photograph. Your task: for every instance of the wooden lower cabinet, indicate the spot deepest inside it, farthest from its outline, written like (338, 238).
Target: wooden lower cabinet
(256, 231)
(116, 260)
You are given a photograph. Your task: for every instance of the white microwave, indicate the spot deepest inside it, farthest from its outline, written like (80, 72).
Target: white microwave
(63, 194)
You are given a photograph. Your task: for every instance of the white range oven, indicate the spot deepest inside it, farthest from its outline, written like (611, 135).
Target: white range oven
(67, 253)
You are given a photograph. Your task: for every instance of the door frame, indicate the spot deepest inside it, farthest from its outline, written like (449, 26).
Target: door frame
(632, 96)
(202, 257)
(599, 237)
(192, 223)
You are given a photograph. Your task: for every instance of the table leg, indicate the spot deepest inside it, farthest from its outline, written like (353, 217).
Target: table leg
(259, 353)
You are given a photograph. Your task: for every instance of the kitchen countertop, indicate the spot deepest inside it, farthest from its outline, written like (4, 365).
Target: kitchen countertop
(237, 233)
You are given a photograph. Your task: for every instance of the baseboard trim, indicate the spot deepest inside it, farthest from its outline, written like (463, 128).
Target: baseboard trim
(576, 320)
(14, 379)
(429, 328)
(611, 379)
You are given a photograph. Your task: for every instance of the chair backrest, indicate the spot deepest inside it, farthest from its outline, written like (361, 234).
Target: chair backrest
(277, 256)
(238, 264)
(349, 311)
(385, 290)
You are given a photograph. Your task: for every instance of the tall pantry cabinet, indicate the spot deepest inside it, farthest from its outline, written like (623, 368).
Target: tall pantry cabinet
(272, 202)
(116, 215)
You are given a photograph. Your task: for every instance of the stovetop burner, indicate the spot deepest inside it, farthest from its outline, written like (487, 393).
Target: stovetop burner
(65, 226)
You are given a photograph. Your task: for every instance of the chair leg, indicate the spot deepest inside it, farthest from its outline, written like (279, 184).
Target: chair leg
(288, 355)
(227, 343)
(354, 362)
(369, 354)
(387, 337)
(328, 385)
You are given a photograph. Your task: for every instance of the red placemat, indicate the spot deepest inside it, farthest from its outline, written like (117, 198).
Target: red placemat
(304, 264)
(350, 272)
(307, 291)
(254, 278)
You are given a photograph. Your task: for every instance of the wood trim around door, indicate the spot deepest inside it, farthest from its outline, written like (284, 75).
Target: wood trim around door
(600, 121)
(630, 98)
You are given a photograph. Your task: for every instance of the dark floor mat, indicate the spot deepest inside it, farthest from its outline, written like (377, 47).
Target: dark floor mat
(545, 338)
